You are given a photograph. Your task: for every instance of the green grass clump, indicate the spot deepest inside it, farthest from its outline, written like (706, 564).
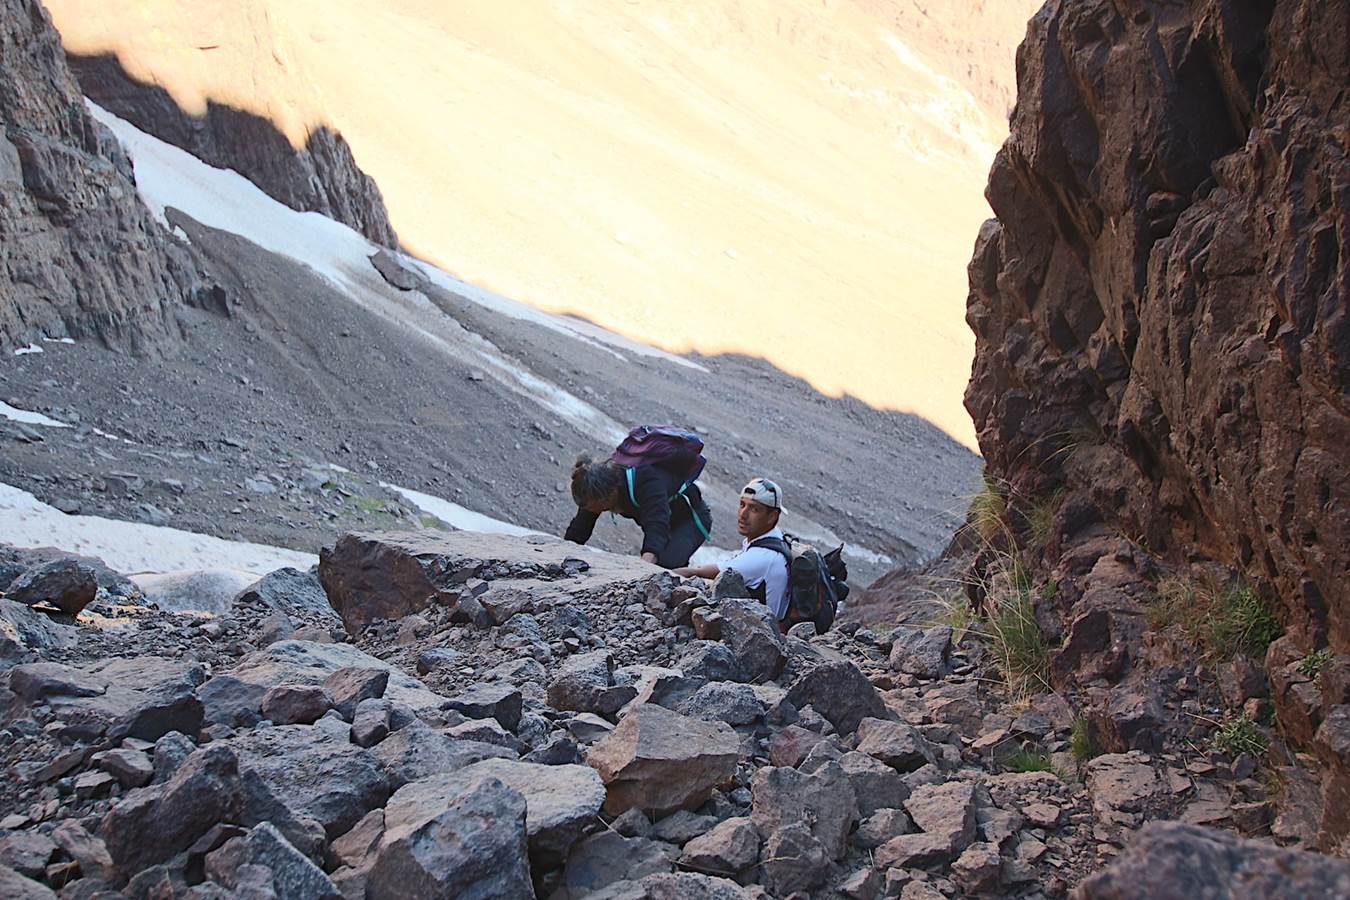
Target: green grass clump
(1017, 644)
(1025, 760)
(1224, 620)
(1040, 517)
(1312, 664)
(1081, 744)
(988, 513)
(1239, 735)
(369, 504)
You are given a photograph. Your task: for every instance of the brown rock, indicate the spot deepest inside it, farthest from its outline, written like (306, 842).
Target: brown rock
(823, 800)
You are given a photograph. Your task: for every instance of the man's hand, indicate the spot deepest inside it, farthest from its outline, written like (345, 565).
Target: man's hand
(708, 571)
(650, 557)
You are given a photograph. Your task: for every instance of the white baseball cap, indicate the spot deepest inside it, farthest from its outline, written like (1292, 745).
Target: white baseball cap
(762, 490)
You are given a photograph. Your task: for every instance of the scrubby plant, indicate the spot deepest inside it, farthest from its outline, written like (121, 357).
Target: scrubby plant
(1313, 664)
(1223, 619)
(1026, 760)
(1016, 642)
(1238, 735)
(1081, 744)
(1040, 517)
(988, 514)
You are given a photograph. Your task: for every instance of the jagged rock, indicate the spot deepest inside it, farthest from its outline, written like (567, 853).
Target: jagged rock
(86, 851)
(1171, 859)
(288, 591)
(67, 584)
(588, 728)
(923, 653)
(418, 751)
(840, 693)
(23, 629)
(290, 875)
(1132, 721)
(357, 847)
(141, 698)
(486, 731)
(1121, 785)
(789, 747)
(371, 723)
(681, 826)
(131, 768)
(561, 800)
(875, 784)
(861, 885)
(295, 704)
(978, 869)
(349, 685)
(881, 826)
(751, 634)
(228, 701)
(585, 683)
(945, 813)
(794, 859)
(16, 887)
(171, 751)
(897, 744)
(723, 701)
(661, 761)
(396, 273)
(468, 844)
(732, 846)
(916, 851)
(824, 799)
(436, 658)
(490, 701)
(307, 662)
(609, 860)
(27, 852)
(708, 660)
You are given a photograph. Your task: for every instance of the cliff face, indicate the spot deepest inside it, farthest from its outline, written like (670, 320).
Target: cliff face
(1160, 306)
(79, 254)
(320, 177)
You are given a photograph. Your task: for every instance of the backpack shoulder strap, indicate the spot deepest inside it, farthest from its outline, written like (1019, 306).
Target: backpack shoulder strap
(628, 477)
(777, 545)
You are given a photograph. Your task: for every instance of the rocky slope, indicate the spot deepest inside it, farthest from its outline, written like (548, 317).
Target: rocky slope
(80, 255)
(485, 716)
(322, 176)
(1160, 385)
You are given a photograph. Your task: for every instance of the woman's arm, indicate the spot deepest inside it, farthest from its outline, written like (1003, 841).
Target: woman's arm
(582, 526)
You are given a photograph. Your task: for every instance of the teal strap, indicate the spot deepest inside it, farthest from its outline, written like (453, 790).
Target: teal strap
(698, 523)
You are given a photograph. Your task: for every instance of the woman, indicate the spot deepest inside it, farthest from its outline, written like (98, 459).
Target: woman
(674, 519)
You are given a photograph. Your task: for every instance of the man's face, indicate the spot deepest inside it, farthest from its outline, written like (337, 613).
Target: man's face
(754, 518)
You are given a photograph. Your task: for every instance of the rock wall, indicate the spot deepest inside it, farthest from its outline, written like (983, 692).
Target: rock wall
(79, 254)
(1160, 305)
(321, 177)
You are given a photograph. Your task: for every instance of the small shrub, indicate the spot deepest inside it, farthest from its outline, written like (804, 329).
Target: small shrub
(1081, 744)
(1224, 620)
(1312, 664)
(1025, 760)
(988, 513)
(1040, 517)
(368, 504)
(1017, 644)
(1239, 735)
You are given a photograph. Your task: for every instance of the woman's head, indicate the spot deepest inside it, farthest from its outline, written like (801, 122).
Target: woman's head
(597, 485)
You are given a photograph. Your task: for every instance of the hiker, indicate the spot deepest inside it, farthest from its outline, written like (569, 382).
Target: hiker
(649, 479)
(764, 568)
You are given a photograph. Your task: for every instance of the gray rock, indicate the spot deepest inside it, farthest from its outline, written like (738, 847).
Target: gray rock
(978, 870)
(794, 860)
(789, 747)
(925, 653)
(371, 725)
(897, 744)
(708, 660)
(881, 826)
(486, 731)
(724, 701)
(228, 701)
(295, 704)
(470, 846)
(23, 629)
(680, 826)
(276, 627)
(560, 751)
(435, 659)
(661, 761)
(585, 683)
(417, 751)
(14, 886)
(840, 693)
(308, 662)
(1169, 859)
(751, 633)
(290, 875)
(824, 801)
(396, 273)
(131, 768)
(67, 584)
(608, 860)
(875, 784)
(27, 852)
(348, 686)
(171, 751)
(490, 700)
(729, 848)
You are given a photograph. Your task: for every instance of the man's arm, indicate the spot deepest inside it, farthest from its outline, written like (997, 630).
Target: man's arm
(711, 570)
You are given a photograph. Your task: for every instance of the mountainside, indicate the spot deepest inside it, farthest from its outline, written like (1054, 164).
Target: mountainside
(79, 254)
(1161, 387)
(789, 181)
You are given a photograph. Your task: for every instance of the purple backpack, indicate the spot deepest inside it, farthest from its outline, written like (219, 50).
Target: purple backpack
(676, 449)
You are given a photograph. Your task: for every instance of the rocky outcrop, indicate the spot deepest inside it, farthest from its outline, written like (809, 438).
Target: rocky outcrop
(321, 176)
(80, 255)
(1159, 308)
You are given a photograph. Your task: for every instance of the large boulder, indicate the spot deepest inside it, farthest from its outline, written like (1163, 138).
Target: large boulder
(470, 845)
(290, 592)
(67, 584)
(144, 698)
(1169, 859)
(389, 576)
(751, 633)
(659, 760)
(840, 692)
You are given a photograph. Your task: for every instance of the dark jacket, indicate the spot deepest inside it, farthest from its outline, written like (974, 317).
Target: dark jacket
(653, 486)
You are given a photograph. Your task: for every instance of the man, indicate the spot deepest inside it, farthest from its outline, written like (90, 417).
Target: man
(765, 570)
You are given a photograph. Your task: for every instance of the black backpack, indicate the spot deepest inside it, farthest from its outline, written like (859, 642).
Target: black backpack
(816, 584)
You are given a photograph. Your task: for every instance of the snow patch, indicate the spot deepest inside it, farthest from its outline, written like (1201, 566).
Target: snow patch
(130, 547)
(457, 516)
(28, 417)
(64, 340)
(24, 351)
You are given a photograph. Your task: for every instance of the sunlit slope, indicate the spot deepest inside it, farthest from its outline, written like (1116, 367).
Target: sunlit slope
(797, 181)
